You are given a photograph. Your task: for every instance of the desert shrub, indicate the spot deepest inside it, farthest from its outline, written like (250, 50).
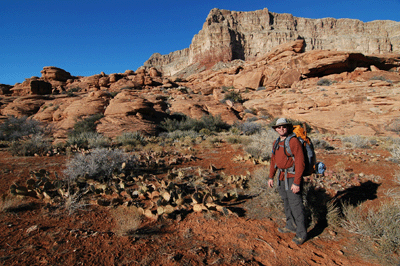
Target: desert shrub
(357, 141)
(382, 78)
(395, 151)
(380, 226)
(252, 119)
(75, 89)
(114, 93)
(261, 144)
(179, 134)
(234, 139)
(324, 82)
(249, 128)
(37, 144)
(333, 214)
(88, 140)
(321, 144)
(98, 164)
(233, 96)
(205, 132)
(174, 122)
(127, 88)
(250, 111)
(258, 182)
(127, 220)
(15, 128)
(72, 202)
(394, 126)
(265, 201)
(86, 125)
(184, 123)
(213, 123)
(131, 139)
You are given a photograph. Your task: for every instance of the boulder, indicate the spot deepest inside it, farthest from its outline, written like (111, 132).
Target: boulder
(55, 73)
(32, 86)
(5, 89)
(128, 112)
(24, 106)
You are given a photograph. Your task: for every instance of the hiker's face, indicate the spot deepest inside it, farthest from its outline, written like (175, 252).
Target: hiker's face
(282, 130)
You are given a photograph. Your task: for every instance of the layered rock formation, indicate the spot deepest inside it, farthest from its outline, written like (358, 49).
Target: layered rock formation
(358, 95)
(342, 92)
(229, 35)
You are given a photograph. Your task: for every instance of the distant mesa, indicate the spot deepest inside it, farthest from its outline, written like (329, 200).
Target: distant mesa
(229, 35)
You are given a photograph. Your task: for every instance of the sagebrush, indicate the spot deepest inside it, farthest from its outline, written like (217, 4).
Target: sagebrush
(98, 164)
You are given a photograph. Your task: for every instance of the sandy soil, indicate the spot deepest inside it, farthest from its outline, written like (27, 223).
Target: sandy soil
(39, 234)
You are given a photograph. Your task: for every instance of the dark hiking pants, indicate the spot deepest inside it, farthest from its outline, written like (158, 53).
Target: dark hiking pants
(294, 209)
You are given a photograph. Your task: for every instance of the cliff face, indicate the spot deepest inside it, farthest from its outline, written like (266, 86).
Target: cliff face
(228, 35)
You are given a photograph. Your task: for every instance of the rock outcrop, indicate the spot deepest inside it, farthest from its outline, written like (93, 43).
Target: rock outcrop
(55, 73)
(287, 64)
(341, 92)
(229, 35)
(32, 86)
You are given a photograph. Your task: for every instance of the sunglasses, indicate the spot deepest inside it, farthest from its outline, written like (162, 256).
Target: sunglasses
(284, 126)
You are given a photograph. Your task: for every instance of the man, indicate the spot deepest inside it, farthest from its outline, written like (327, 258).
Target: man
(290, 171)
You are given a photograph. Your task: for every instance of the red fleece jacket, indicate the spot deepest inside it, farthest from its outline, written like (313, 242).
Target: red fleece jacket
(282, 161)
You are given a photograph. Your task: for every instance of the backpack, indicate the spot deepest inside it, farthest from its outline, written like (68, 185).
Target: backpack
(308, 149)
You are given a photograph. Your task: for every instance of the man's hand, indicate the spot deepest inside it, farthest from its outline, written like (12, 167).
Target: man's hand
(271, 183)
(295, 188)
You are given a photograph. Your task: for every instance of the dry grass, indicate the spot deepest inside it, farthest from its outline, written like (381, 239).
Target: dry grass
(261, 144)
(9, 203)
(333, 214)
(265, 202)
(379, 227)
(127, 220)
(356, 141)
(73, 202)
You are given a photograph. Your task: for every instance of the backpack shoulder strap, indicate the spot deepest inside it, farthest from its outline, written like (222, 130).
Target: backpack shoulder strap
(287, 146)
(276, 143)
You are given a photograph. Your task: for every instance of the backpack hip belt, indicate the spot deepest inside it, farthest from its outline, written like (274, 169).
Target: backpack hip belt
(289, 170)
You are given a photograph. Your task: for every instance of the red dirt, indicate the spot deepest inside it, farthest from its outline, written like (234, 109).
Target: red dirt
(41, 235)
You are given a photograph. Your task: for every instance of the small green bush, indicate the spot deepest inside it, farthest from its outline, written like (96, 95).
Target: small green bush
(131, 139)
(325, 82)
(88, 140)
(179, 134)
(15, 128)
(234, 139)
(86, 125)
(37, 144)
(249, 128)
(184, 123)
(382, 78)
(233, 96)
(321, 144)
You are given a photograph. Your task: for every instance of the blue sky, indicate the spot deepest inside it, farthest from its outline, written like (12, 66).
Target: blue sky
(87, 37)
